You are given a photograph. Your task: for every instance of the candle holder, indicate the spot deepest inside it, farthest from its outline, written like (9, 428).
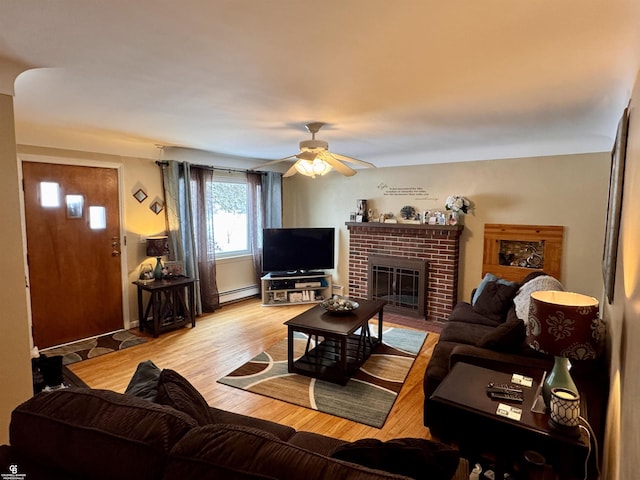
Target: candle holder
(565, 410)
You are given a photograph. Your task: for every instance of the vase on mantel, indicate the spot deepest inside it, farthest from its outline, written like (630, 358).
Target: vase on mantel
(454, 218)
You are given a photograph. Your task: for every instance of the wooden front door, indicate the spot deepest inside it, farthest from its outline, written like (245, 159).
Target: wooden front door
(73, 250)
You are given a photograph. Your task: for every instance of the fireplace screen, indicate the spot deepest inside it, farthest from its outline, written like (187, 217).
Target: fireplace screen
(401, 282)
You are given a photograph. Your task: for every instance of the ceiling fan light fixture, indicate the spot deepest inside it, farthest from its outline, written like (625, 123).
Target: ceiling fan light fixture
(314, 168)
(314, 158)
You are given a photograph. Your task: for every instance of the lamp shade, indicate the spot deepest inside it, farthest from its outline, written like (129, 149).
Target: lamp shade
(564, 324)
(157, 246)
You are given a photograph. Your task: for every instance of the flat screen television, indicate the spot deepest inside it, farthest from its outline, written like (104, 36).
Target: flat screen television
(297, 250)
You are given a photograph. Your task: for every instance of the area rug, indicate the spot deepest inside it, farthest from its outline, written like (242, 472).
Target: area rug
(367, 397)
(94, 347)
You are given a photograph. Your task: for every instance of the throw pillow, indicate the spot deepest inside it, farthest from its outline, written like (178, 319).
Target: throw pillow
(413, 457)
(175, 391)
(144, 383)
(489, 277)
(523, 297)
(495, 300)
(506, 337)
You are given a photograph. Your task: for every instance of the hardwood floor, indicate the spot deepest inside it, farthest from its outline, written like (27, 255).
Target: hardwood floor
(226, 339)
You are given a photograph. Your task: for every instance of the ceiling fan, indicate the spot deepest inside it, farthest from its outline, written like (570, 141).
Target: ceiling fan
(314, 157)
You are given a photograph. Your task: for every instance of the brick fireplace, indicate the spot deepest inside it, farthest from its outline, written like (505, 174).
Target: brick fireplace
(437, 245)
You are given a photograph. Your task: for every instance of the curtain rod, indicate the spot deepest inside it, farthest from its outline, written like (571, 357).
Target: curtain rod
(164, 163)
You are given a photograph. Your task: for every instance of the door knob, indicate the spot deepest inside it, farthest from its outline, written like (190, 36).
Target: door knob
(115, 253)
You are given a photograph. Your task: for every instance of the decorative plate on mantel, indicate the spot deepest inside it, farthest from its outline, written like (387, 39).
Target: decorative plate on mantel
(408, 212)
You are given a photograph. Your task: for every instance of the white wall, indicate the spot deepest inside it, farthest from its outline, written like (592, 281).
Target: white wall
(15, 373)
(568, 190)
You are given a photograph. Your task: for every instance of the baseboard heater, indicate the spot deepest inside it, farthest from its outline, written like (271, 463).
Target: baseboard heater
(239, 294)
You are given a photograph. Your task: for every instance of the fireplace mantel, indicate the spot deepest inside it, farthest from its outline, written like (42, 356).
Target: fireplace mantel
(402, 226)
(437, 245)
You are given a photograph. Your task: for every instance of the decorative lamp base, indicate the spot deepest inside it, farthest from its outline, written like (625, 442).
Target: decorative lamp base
(157, 272)
(558, 377)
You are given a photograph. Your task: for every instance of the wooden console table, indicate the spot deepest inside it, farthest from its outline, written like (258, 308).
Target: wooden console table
(171, 303)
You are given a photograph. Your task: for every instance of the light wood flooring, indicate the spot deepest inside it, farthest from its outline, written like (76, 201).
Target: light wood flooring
(226, 339)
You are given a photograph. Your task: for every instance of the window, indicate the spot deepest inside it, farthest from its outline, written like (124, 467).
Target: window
(97, 218)
(228, 195)
(49, 194)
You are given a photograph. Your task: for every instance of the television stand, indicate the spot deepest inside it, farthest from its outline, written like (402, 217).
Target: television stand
(296, 273)
(285, 288)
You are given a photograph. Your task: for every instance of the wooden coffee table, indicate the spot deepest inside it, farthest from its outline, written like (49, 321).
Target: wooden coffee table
(341, 342)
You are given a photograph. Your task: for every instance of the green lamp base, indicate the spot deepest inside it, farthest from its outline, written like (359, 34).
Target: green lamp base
(558, 377)
(157, 272)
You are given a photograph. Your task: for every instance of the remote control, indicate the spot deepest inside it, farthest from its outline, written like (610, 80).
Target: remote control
(509, 397)
(492, 387)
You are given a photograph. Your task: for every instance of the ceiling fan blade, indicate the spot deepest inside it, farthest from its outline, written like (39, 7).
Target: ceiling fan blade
(272, 162)
(292, 170)
(336, 164)
(344, 158)
(307, 155)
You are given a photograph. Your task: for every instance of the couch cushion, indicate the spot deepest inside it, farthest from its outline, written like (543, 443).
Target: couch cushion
(464, 312)
(283, 432)
(97, 434)
(212, 450)
(315, 442)
(414, 457)
(175, 391)
(507, 337)
(144, 382)
(495, 300)
(462, 332)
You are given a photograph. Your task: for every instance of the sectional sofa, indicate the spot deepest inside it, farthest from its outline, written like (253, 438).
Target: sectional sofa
(162, 428)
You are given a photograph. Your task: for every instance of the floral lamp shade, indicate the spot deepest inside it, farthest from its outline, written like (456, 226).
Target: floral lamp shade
(157, 246)
(564, 324)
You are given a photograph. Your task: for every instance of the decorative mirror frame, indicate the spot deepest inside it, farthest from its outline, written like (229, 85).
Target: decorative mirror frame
(140, 195)
(156, 207)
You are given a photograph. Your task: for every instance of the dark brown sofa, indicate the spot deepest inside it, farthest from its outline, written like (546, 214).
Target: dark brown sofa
(487, 333)
(163, 429)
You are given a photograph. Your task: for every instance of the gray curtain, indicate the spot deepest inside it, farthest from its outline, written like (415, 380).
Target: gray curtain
(201, 180)
(185, 198)
(265, 211)
(272, 199)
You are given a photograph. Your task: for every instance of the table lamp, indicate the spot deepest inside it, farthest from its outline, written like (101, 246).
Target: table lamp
(157, 247)
(567, 326)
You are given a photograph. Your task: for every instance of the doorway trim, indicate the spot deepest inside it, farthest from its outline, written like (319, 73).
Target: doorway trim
(82, 159)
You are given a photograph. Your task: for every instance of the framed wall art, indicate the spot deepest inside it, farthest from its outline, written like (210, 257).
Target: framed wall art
(614, 206)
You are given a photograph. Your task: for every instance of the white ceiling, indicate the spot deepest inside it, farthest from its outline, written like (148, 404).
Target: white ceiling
(398, 82)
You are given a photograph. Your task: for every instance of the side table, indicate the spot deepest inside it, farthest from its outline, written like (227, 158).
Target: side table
(469, 419)
(171, 303)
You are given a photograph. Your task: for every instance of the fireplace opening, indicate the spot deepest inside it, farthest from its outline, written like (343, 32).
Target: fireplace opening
(401, 282)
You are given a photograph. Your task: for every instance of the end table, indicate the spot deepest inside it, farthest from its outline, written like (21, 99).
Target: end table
(468, 418)
(171, 303)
